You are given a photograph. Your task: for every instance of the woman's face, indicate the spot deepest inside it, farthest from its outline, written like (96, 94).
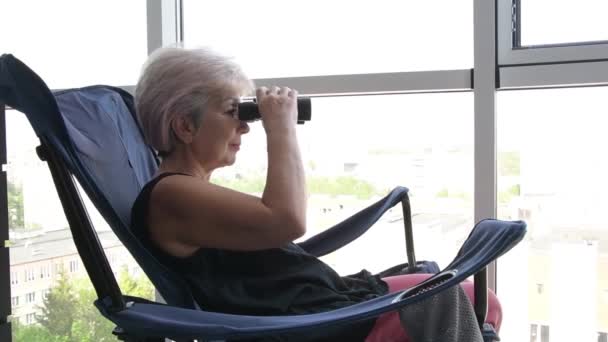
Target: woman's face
(218, 138)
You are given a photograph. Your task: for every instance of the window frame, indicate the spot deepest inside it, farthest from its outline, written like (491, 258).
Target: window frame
(495, 69)
(511, 53)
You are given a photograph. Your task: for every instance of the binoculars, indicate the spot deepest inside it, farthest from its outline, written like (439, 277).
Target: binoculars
(248, 110)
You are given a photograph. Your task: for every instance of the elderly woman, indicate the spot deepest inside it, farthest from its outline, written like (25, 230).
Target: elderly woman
(236, 250)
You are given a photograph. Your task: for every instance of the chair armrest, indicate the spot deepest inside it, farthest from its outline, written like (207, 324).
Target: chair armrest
(350, 229)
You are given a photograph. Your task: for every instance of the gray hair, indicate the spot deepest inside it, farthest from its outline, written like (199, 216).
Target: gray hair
(176, 82)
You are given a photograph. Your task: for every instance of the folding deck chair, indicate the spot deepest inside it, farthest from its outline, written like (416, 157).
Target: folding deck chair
(92, 134)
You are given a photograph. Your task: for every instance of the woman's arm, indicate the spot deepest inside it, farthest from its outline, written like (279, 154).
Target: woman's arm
(285, 181)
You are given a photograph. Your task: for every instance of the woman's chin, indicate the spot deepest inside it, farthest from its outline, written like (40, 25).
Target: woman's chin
(230, 161)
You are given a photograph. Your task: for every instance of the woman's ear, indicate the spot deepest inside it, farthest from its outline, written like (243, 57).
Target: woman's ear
(183, 128)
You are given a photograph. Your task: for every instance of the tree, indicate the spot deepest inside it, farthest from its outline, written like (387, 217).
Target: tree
(69, 315)
(59, 308)
(15, 205)
(509, 163)
(334, 186)
(342, 185)
(135, 286)
(32, 332)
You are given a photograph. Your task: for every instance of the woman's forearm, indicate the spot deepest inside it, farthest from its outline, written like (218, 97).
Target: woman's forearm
(285, 191)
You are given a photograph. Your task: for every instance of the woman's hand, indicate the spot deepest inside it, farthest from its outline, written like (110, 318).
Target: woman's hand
(278, 108)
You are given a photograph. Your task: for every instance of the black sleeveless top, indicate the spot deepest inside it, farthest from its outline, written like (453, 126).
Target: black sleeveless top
(278, 281)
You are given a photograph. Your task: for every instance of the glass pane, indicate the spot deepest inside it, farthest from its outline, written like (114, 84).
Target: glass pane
(317, 37)
(563, 21)
(552, 169)
(77, 43)
(356, 149)
(43, 258)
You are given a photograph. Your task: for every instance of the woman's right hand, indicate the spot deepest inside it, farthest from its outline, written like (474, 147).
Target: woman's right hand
(278, 108)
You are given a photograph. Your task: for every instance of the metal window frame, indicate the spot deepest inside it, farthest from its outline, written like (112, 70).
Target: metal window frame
(583, 74)
(5, 282)
(485, 83)
(511, 53)
(377, 83)
(164, 23)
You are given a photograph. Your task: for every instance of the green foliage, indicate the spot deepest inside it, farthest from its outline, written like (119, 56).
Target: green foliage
(505, 197)
(15, 205)
(138, 287)
(342, 185)
(33, 333)
(69, 315)
(443, 193)
(509, 163)
(249, 184)
(58, 309)
(89, 325)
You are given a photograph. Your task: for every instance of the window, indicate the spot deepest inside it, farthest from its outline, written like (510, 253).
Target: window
(14, 278)
(45, 271)
(539, 336)
(395, 141)
(335, 37)
(602, 337)
(73, 266)
(552, 163)
(29, 275)
(44, 293)
(102, 42)
(544, 333)
(560, 21)
(30, 297)
(551, 31)
(57, 268)
(540, 288)
(30, 318)
(15, 301)
(533, 332)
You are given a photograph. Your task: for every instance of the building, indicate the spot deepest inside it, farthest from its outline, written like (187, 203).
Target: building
(38, 257)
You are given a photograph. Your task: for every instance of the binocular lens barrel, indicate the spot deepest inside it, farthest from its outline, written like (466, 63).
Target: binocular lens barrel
(248, 111)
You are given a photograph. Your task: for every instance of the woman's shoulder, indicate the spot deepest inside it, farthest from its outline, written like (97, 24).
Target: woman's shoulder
(143, 199)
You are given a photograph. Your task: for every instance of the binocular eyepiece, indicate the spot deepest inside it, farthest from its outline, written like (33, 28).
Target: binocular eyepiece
(248, 110)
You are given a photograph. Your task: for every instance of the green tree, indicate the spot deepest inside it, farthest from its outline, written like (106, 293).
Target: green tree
(59, 308)
(505, 196)
(252, 184)
(89, 325)
(342, 185)
(34, 332)
(15, 205)
(135, 286)
(509, 163)
(68, 313)
(443, 193)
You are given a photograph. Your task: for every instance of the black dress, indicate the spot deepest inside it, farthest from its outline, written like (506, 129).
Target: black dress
(278, 281)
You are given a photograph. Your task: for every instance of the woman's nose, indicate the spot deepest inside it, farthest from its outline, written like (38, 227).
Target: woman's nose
(243, 127)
